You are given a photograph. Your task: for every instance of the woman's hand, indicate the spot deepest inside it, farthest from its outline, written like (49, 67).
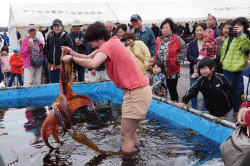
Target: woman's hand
(67, 51)
(66, 58)
(241, 116)
(30, 44)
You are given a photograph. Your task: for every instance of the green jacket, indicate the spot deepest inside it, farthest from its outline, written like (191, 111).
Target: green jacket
(236, 54)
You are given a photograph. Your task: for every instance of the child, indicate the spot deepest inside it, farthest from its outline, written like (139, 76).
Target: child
(5, 62)
(244, 89)
(208, 50)
(215, 89)
(158, 79)
(16, 63)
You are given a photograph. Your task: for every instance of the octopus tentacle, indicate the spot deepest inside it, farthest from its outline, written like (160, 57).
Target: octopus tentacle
(62, 113)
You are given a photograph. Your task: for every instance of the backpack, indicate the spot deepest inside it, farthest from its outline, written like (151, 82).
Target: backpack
(36, 61)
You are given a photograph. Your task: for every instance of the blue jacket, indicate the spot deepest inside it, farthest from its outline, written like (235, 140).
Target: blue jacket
(148, 38)
(6, 39)
(192, 54)
(244, 87)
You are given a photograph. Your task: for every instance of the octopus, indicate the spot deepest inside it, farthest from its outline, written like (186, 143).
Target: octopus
(62, 112)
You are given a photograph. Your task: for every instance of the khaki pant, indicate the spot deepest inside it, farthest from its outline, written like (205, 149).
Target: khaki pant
(32, 76)
(136, 102)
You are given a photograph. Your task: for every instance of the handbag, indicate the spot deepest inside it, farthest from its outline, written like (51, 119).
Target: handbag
(235, 150)
(36, 61)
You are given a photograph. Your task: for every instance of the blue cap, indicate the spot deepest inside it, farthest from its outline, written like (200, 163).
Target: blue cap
(16, 48)
(135, 17)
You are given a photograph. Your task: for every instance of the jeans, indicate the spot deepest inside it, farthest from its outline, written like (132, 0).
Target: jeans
(46, 70)
(81, 72)
(194, 101)
(234, 79)
(54, 75)
(1, 75)
(12, 76)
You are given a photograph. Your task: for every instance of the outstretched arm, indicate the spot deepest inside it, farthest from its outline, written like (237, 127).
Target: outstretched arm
(94, 63)
(75, 54)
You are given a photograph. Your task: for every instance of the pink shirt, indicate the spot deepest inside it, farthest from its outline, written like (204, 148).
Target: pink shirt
(5, 62)
(121, 66)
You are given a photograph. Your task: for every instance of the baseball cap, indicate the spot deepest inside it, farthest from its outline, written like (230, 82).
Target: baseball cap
(135, 17)
(56, 22)
(16, 48)
(76, 23)
(31, 26)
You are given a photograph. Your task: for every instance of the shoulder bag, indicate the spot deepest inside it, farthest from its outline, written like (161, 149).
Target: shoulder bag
(235, 150)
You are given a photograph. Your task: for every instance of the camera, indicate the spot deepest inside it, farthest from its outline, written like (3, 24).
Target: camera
(232, 33)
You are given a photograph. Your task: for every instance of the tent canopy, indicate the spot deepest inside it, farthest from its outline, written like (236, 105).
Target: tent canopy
(44, 14)
(150, 11)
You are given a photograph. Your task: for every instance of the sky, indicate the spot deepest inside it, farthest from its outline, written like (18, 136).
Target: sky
(5, 6)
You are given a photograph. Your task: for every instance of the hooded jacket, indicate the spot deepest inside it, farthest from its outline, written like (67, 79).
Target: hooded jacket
(16, 64)
(236, 55)
(52, 48)
(216, 93)
(5, 61)
(25, 51)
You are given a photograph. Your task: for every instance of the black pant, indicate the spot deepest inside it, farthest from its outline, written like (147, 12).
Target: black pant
(172, 88)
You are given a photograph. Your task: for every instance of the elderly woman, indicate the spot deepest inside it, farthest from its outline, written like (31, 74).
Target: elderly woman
(224, 32)
(234, 52)
(140, 52)
(171, 49)
(32, 52)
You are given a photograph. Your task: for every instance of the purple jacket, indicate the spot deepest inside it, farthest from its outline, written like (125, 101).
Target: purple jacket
(25, 51)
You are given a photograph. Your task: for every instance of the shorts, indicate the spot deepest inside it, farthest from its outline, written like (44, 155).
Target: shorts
(136, 102)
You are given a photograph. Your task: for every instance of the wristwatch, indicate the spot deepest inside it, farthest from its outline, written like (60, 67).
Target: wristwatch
(71, 59)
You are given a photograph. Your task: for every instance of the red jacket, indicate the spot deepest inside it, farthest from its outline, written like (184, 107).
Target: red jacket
(173, 50)
(16, 64)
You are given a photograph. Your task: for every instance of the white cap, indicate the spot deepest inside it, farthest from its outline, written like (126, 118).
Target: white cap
(76, 23)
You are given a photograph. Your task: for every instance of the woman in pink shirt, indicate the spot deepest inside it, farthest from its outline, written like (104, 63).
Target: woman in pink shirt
(123, 70)
(5, 62)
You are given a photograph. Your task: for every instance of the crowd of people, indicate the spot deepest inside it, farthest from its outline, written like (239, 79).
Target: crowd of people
(142, 61)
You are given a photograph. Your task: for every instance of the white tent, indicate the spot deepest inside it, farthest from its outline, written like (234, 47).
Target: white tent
(150, 11)
(22, 15)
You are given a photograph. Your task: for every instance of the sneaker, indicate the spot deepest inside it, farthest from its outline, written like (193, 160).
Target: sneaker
(194, 75)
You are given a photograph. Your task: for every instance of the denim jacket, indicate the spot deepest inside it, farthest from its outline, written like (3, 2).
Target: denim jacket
(148, 38)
